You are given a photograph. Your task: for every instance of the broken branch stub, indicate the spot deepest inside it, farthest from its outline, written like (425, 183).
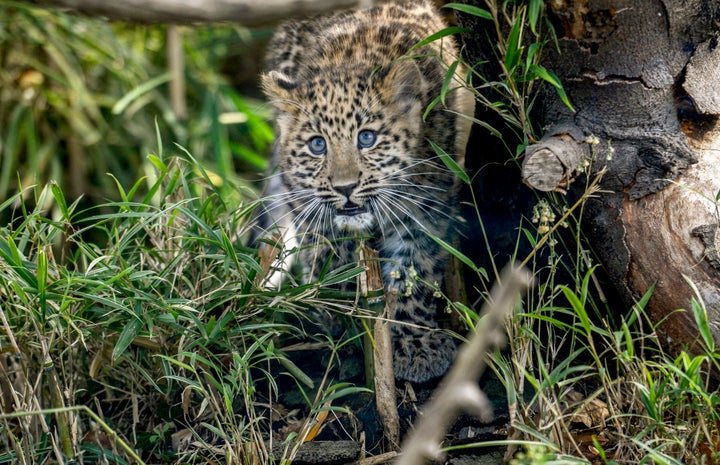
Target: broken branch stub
(702, 77)
(552, 163)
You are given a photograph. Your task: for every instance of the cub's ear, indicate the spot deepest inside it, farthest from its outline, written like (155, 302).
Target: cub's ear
(278, 88)
(401, 83)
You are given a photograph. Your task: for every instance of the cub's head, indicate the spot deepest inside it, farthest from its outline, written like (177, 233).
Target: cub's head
(347, 143)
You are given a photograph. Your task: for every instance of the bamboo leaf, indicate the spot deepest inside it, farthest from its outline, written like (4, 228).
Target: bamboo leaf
(513, 48)
(134, 94)
(430, 106)
(294, 370)
(470, 9)
(129, 333)
(448, 79)
(551, 78)
(57, 193)
(534, 12)
(450, 163)
(448, 31)
(701, 316)
(455, 252)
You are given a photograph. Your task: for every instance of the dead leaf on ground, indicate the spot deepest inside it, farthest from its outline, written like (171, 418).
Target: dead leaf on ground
(590, 412)
(318, 423)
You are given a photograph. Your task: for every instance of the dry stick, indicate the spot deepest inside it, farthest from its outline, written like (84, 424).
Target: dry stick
(57, 401)
(381, 363)
(459, 389)
(17, 393)
(384, 375)
(176, 67)
(377, 459)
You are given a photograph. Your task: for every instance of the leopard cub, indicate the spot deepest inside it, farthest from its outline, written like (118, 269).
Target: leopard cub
(353, 157)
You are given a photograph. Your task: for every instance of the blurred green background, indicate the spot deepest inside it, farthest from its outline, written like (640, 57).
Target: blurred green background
(82, 98)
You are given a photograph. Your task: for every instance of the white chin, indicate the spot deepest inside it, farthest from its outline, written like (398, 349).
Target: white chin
(362, 222)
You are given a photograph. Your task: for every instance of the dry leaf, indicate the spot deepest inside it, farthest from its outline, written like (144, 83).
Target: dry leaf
(268, 252)
(181, 440)
(318, 423)
(591, 413)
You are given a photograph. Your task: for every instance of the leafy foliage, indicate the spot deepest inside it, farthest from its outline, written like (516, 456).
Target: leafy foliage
(157, 337)
(79, 98)
(164, 330)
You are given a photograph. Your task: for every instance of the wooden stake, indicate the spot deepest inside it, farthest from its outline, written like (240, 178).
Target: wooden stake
(378, 348)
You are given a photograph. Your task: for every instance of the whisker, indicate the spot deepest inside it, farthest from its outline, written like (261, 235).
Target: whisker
(374, 207)
(424, 187)
(422, 202)
(267, 210)
(388, 201)
(403, 209)
(382, 207)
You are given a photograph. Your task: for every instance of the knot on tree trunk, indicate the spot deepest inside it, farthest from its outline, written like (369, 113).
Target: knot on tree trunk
(709, 234)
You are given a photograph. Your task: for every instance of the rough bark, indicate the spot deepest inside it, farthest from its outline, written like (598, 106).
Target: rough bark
(323, 452)
(672, 235)
(245, 12)
(644, 79)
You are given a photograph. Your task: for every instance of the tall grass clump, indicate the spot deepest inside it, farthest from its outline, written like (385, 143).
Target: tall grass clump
(157, 342)
(596, 383)
(587, 380)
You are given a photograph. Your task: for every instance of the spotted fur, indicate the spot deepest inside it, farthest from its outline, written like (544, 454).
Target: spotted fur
(353, 157)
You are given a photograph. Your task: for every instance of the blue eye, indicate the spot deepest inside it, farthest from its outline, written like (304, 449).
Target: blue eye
(366, 138)
(317, 145)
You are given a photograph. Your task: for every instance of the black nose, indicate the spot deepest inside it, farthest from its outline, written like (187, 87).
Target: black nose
(346, 190)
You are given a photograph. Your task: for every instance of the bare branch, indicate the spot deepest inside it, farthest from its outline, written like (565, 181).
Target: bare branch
(459, 390)
(245, 12)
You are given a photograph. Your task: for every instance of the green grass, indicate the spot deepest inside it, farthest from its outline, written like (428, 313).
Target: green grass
(161, 330)
(80, 98)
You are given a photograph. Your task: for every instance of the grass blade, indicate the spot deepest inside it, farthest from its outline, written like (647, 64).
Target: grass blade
(450, 163)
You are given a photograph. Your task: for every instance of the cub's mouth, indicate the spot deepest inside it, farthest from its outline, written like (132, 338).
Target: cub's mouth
(354, 218)
(351, 209)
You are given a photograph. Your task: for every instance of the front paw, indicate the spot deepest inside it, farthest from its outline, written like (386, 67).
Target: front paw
(423, 356)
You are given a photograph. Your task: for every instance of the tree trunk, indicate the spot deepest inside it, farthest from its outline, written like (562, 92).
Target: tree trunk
(644, 79)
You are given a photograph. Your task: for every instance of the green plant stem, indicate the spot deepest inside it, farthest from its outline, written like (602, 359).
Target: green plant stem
(593, 189)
